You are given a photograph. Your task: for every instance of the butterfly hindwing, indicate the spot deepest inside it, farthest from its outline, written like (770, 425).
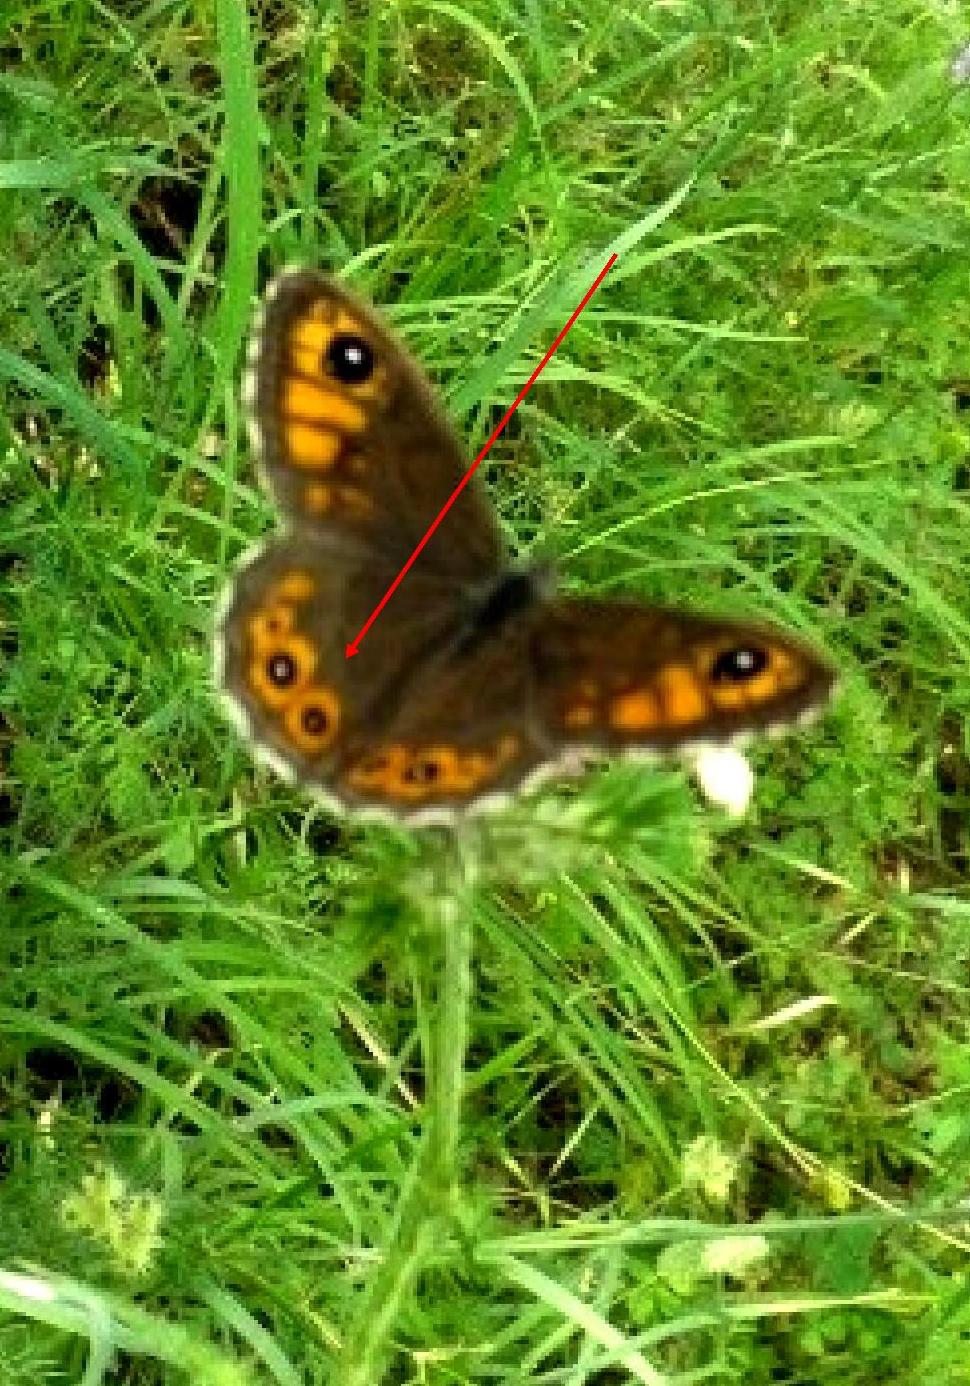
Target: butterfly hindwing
(281, 652)
(463, 735)
(350, 435)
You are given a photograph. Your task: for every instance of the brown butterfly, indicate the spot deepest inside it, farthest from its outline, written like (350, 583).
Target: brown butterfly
(478, 678)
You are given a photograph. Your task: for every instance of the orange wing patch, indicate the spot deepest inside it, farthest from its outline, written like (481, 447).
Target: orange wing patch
(634, 712)
(411, 775)
(280, 668)
(318, 497)
(312, 336)
(731, 678)
(354, 500)
(331, 408)
(321, 499)
(579, 715)
(780, 675)
(295, 587)
(268, 625)
(681, 693)
(333, 381)
(277, 673)
(312, 719)
(307, 446)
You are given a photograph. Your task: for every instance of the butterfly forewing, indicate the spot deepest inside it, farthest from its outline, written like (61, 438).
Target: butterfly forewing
(351, 438)
(614, 674)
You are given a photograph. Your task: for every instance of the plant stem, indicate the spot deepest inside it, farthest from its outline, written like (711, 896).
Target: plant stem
(429, 1198)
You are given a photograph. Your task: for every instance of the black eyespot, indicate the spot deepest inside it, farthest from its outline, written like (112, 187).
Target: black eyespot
(740, 664)
(281, 669)
(314, 720)
(422, 772)
(350, 359)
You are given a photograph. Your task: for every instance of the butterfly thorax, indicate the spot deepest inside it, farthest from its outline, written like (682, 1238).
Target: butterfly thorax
(495, 607)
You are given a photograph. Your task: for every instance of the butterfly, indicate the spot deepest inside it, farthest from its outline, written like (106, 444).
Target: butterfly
(478, 679)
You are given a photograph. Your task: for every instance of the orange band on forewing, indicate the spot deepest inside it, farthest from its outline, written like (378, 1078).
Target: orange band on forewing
(304, 361)
(305, 401)
(354, 500)
(346, 322)
(307, 446)
(318, 497)
(310, 334)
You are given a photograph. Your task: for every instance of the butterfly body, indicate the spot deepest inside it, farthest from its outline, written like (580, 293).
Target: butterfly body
(478, 678)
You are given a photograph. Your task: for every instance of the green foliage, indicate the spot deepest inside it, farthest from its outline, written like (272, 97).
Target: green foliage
(609, 1088)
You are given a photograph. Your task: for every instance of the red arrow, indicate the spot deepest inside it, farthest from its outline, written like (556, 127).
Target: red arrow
(354, 646)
